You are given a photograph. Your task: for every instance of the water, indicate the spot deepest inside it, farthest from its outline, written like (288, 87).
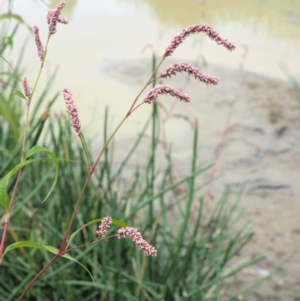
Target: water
(266, 33)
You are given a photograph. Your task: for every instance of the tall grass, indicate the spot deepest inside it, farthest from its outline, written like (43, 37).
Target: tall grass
(193, 257)
(195, 244)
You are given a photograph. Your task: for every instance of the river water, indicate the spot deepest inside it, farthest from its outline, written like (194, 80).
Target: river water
(266, 33)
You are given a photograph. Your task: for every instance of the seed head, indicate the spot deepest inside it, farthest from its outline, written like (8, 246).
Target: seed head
(53, 17)
(137, 238)
(165, 89)
(38, 42)
(26, 87)
(106, 221)
(191, 70)
(178, 39)
(73, 111)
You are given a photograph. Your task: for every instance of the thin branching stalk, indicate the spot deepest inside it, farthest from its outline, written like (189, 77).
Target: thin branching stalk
(37, 276)
(53, 18)
(62, 249)
(22, 159)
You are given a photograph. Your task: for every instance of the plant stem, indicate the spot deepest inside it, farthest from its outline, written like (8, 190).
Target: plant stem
(62, 249)
(63, 244)
(37, 276)
(148, 82)
(11, 202)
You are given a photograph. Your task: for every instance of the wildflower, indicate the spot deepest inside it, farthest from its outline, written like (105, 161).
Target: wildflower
(165, 89)
(62, 20)
(53, 17)
(137, 238)
(178, 39)
(49, 15)
(59, 20)
(106, 221)
(38, 42)
(26, 87)
(73, 111)
(191, 70)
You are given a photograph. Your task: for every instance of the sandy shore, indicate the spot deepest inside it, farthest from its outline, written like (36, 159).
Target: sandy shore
(260, 149)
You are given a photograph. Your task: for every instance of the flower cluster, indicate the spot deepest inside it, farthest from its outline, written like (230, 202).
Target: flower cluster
(73, 111)
(53, 17)
(137, 238)
(191, 70)
(185, 67)
(165, 89)
(178, 39)
(26, 87)
(106, 221)
(38, 42)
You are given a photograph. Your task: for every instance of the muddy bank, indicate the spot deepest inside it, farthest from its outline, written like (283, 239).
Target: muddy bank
(250, 126)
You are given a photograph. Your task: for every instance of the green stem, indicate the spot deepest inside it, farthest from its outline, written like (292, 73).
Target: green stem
(10, 208)
(62, 249)
(63, 244)
(86, 150)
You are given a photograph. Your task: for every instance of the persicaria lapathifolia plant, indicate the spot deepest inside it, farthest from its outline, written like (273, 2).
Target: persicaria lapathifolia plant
(130, 232)
(6, 201)
(72, 110)
(53, 17)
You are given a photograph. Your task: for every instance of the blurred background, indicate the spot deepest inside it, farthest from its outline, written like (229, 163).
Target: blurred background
(101, 33)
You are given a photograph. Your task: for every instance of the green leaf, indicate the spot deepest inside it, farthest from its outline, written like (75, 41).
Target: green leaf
(16, 17)
(18, 93)
(7, 72)
(95, 221)
(8, 115)
(9, 40)
(36, 149)
(32, 244)
(4, 198)
(119, 223)
(12, 16)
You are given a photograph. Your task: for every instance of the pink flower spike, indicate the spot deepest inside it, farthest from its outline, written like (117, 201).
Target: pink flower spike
(178, 39)
(73, 111)
(191, 70)
(137, 238)
(165, 89)
(62, 20)
(26, 87)
(38, 42)
(106, 221)
(53, 17)
(59, 20)
(50, 15)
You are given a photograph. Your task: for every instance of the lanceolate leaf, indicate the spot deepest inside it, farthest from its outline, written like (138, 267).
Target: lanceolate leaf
(18, 93)
(16, 17)
(36, 149)
(9, 40)
(8, 115)
(4, 198)
(32, 244)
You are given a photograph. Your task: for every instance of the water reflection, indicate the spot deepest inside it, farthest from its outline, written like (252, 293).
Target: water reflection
(116, 30)
(276, 17)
